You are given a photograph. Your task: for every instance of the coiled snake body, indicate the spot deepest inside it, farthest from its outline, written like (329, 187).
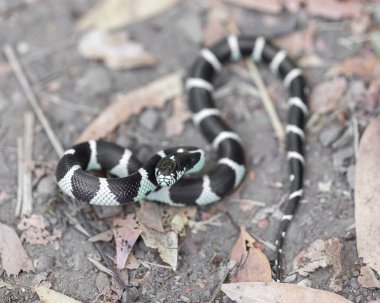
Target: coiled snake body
(160, 179)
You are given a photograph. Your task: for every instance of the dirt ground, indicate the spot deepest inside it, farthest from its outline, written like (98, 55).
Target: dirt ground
(44, 35)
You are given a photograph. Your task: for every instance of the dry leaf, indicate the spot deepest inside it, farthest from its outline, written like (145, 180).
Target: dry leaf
(175, 125)
(149, 214)
(367, 196)
(51, 296)
(153, 95)
(293, 43)
(5, 284)
(269, 292)
(126, 232)
(365, 66)
(35, 232)
(215, 28)
(132, 262)
(166, 243)
(179, 217)
(108, 291)
(334, 9)
(367, 278)
(13, 256)
(320, 254)
(103, 236)
(268, 6)
(112, 14)
(327, 96)
(252, 264)
(115, 49)
(311, 61)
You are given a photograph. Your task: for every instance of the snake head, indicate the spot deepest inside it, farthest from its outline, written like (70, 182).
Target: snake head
(167, 172)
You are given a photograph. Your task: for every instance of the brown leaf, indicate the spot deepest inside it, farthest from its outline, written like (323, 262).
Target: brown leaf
(293, 43)
(320, 254)
(175, 125)
(166, 243)
(365, 66)
(334, 9)
(13, 256)
(153, 95)
(367, 278)
(51, 296)
(132, 262)
(112, 14)
(217, 19)
(252, 264)
(327, 96)
(115, 49)
(149, 214)
(126, 232)
(367, 196)
(35, 232)
(268, 6)
(269, 292)
(103, 236)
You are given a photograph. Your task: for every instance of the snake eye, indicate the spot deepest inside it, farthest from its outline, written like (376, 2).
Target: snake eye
(167, 166)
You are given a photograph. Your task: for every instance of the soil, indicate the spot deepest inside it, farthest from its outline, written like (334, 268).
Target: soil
(44, 35)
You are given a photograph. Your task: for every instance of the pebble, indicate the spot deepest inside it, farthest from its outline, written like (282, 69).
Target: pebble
(149, 119)
(342, 155)
(330, 134)
(44, 263)
(133, 294)
(355, 273)
(95, 81)
(350, 175)
(351, 298)
(184, 298)
(46, 189)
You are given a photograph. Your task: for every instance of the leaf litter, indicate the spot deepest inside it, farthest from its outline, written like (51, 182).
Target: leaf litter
(113, 14)
(153, 95)
(13, 256)
(126, 232)
(367, 278)
(321, 254)
(269, 292)
(252, 264)
(367, 196)
(116, 50)
(34, 231)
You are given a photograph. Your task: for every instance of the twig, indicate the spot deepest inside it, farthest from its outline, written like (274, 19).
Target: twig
(226, 270)
(77, 225)
(27, 198)
(356, 132)
(266, 243)
(16, 66)
(148, 264)
(20, 176)
(265, 98)
(70, 105)
(101, 267)
(252, 202)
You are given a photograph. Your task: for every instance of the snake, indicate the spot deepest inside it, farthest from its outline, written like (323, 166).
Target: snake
(174, 175)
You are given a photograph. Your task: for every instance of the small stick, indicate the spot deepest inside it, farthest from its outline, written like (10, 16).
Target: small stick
(20, 176)
(265, 98)
(27, 195)
(16, 66)
(223, 273)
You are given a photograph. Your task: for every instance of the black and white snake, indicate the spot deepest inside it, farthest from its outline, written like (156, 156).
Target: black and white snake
(160, 179)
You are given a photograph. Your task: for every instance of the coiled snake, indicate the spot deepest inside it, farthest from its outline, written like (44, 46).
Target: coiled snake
(160, 178)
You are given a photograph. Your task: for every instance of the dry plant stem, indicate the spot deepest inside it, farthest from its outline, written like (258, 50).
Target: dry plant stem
(20, 176)
(265, 98)
(226, 270)
(27, 198)
(356, 133)
(16, 66)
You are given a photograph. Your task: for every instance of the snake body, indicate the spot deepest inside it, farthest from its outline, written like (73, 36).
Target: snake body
(136, 181)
